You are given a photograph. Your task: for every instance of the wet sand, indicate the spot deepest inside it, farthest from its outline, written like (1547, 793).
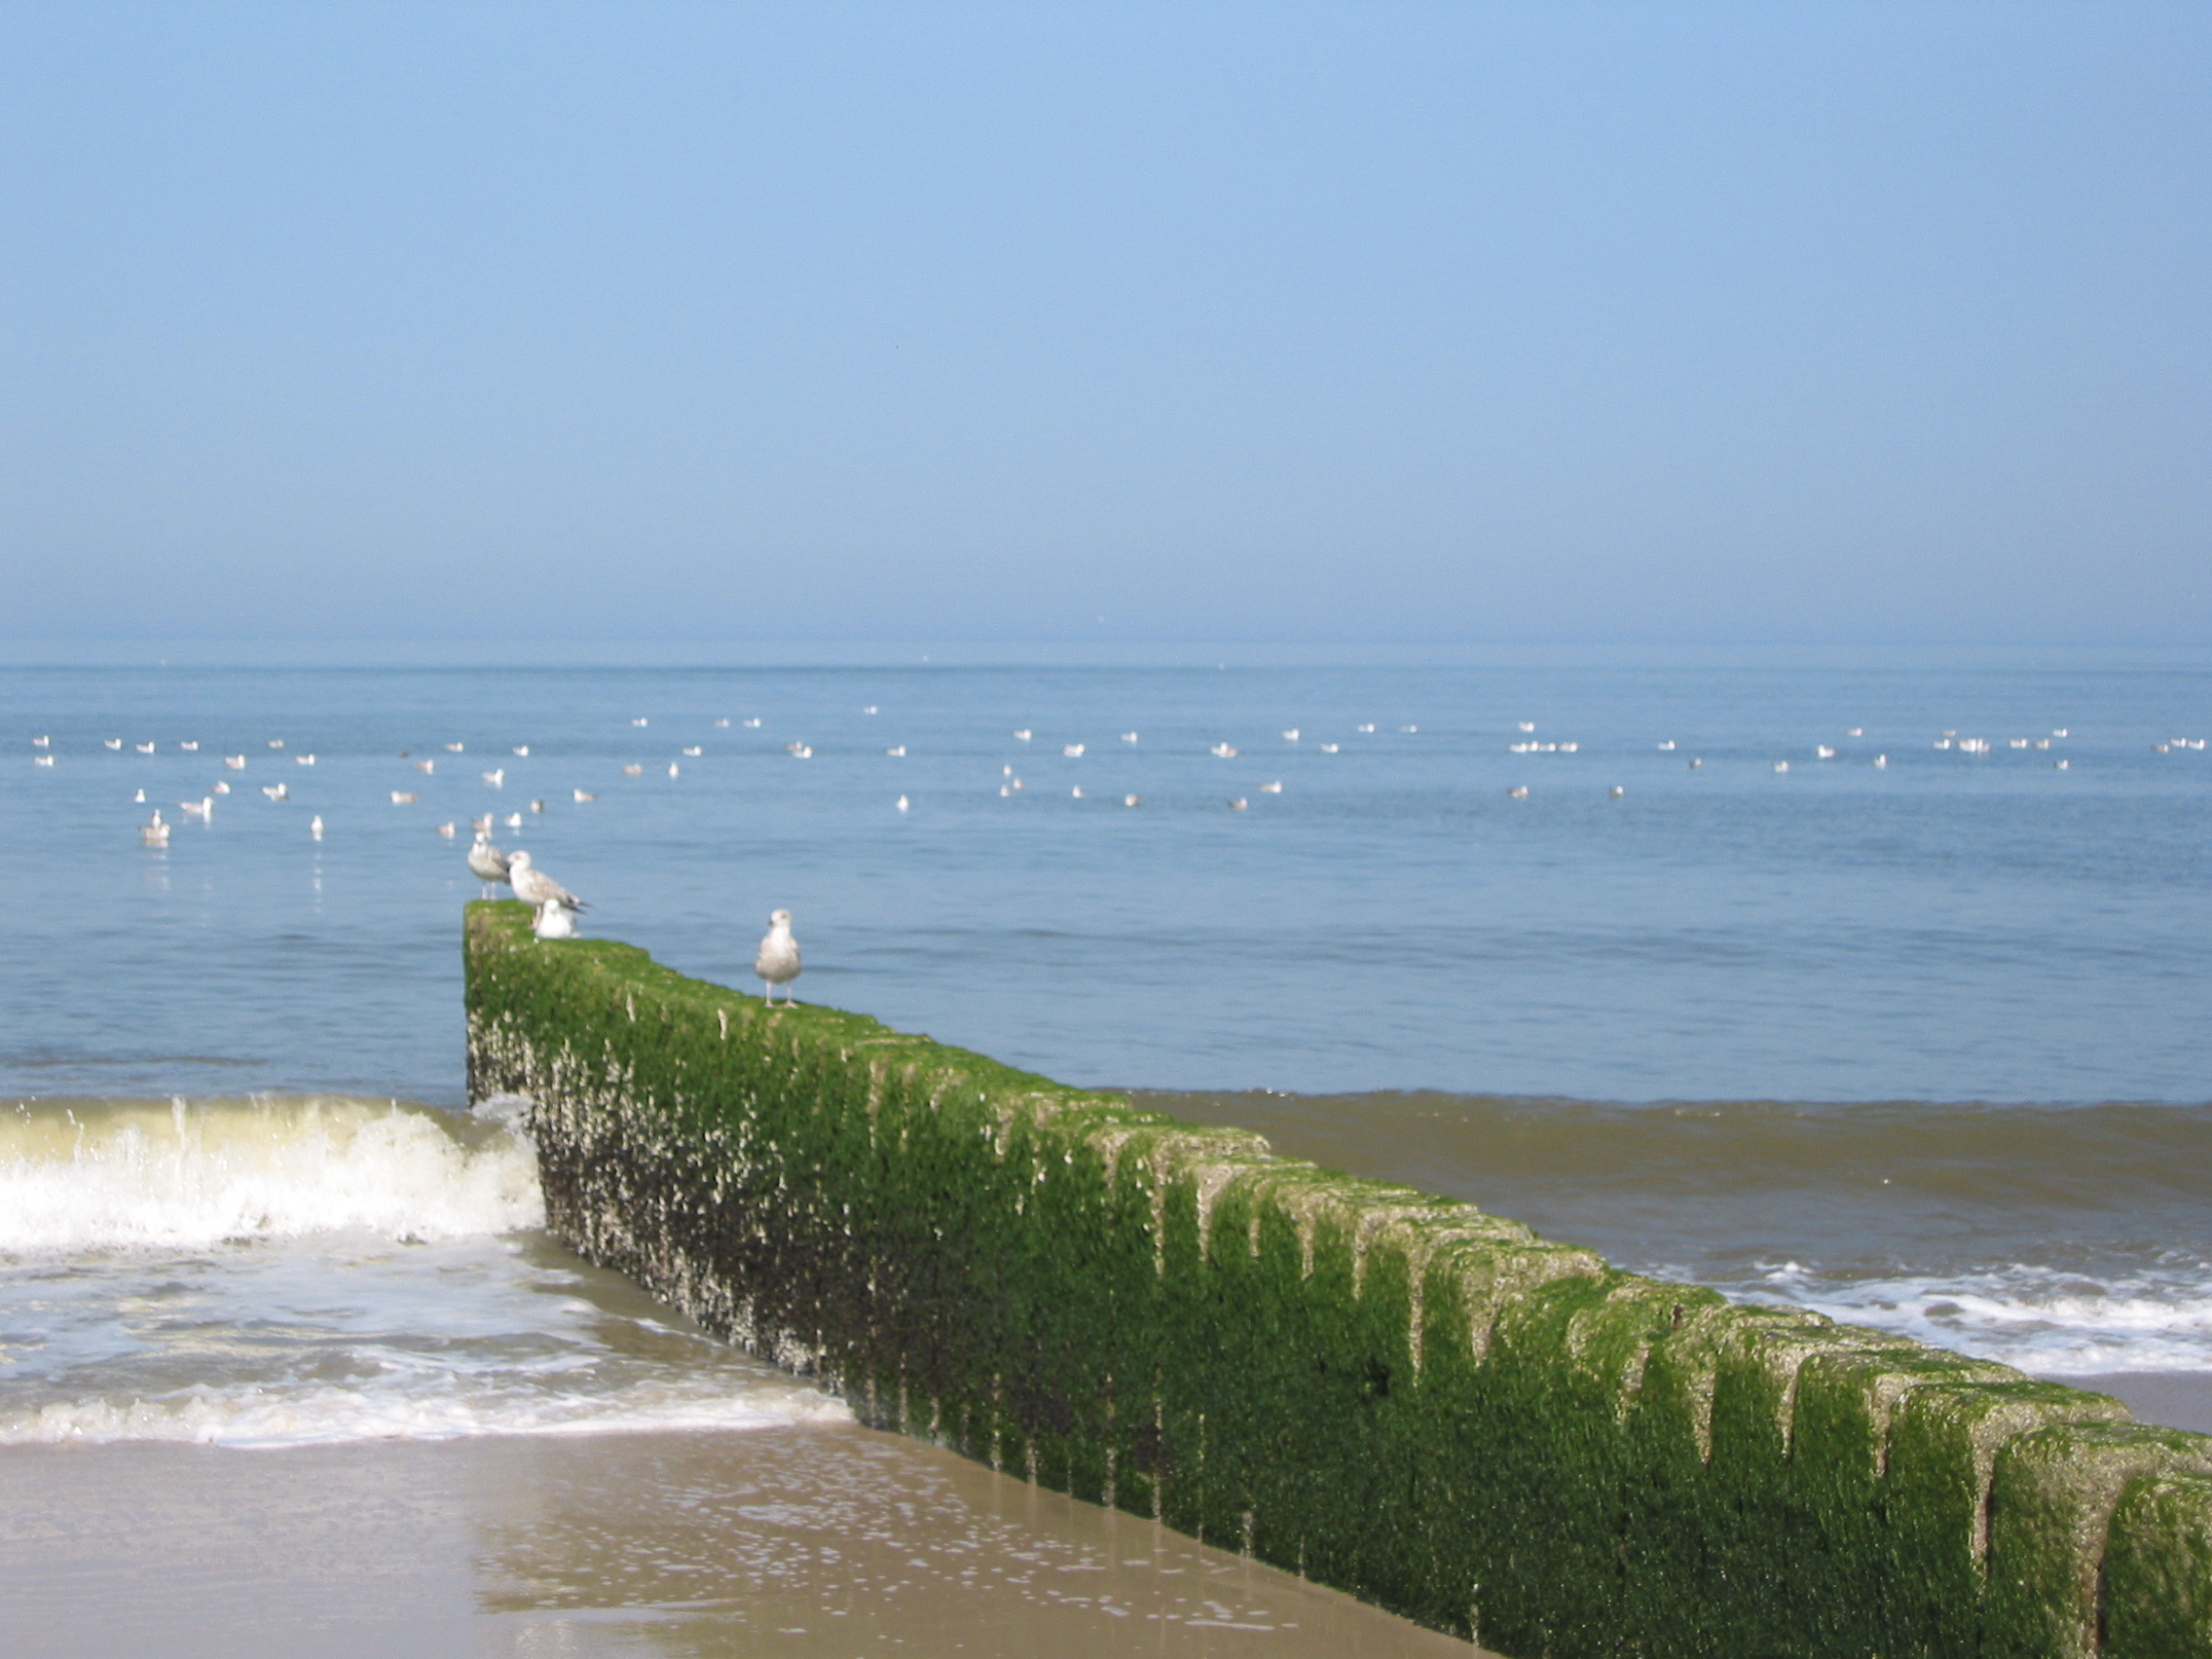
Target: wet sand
(809, 1543)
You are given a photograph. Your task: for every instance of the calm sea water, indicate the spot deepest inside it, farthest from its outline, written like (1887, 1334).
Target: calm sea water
(1923, 1043)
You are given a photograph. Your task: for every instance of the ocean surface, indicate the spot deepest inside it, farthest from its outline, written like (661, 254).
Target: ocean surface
(1923, 1043)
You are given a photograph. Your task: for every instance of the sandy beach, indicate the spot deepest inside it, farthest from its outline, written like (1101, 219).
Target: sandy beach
(812, 1542)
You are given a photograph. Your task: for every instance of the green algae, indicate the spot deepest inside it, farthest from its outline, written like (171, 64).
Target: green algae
(1389, 1392)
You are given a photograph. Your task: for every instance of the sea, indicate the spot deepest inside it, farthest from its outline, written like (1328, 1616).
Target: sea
(1874, 986)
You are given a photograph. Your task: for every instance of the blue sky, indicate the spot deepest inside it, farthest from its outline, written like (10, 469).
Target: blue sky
(1762, 325)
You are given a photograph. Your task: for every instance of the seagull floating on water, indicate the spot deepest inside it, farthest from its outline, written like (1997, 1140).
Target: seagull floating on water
(1291, 735)
(1239, 804)
(723, 722)
(276, 792)
(402, 798)
(1667, 748)
(637, 723)
(1274, 788)
(138, 800)
(1615, 793)
(154, 832)
(902, 801)
(694, 752)
(1128, 737)
(222, 787)
(1024, 734)
(426, 767)
(445, 831)
(522, 748)
(453, 748)
(753, 722)
(1074, 751)
(538, 806)
(1331, 747)
(898, 753)
(515, 821)
(314, 825)
(191, 747)
(143, 747)
(778, 960)
(203, 809)
(674, 770)
(497, 779)
(583, 795)
(532, 886)
(634, 769)
(1223, 751)
(1519, 791)
(111, 742)
(1132, 801)
(42, 759)
(235, 762)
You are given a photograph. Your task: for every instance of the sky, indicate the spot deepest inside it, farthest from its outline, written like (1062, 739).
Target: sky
(1522, 325)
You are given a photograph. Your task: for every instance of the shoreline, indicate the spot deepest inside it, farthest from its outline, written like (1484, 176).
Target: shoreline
(815, 1542)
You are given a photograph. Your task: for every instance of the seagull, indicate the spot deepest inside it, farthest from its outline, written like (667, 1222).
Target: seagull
(694, 752)
(402, 798)
(1695, 763)
(632, 770)
(1781, 766)
(445, 831)
(750, 724)
(1525, 725)
(1131, 800)
(870, 709)
(482, 826)
(1025, 734)
(42, 759)
(314, 825)
(191, 747)
(154, 832)
(1128, 737)
(1331, 747)
(1272, 788)
(554, 920)
(143, 747)
(1616, 792)
(674, 770)
(1076, 794)
(538, 806)
(898, 753)
(1223, 751)
(1073, 751)
(583, 795)
(275, 743)
(1370, 726)
(1856, 731)
(309, 760)
(1823, 752)
(276, 792)
(203, 809)
(515, 821)
(637, 723)
(426, 767)
(222, 787)
(1881, 760)
(1290, 736)
(42, 742)
(522, 748)
(1519, 791)
(902, 801)
(498, 779)
(1667, 747)
(1239, 804)
(533, 886)
(235, 762)
(778, 962)
(722, 721)
(111, 742)
(453, 748)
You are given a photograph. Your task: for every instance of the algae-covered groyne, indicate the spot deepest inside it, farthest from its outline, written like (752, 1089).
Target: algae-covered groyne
(1391, 1393)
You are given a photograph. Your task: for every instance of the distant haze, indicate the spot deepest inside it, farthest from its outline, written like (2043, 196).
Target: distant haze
(1520, 324)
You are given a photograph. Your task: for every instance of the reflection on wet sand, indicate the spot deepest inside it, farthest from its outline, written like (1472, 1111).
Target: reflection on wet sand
(811, 1542)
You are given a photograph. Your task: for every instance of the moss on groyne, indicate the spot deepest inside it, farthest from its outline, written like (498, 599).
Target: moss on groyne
(1389, 1392)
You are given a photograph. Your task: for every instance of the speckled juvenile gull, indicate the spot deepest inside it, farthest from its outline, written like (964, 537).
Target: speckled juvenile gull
(486, 862)
(535, 887)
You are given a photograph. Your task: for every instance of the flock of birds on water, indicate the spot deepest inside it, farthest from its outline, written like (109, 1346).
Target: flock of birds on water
(778, 962)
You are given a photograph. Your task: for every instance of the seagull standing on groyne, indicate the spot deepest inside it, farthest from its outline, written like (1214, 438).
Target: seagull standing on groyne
(486, 862)
(555, 921)
(535, 887)
(778, 963)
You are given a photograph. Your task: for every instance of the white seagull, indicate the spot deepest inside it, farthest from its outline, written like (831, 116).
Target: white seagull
(154, 832)
(536, 887)
(778, 963)
(554, 920)
(486, 862)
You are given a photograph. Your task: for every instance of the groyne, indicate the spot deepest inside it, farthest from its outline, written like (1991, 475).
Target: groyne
(1389, 1392)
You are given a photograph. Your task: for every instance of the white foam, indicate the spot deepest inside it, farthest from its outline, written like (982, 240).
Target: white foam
(2041, 1319)
(253, 1416)
(140, 1175)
